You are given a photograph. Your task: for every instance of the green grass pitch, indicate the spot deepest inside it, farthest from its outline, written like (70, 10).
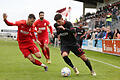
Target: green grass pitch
(13, 65)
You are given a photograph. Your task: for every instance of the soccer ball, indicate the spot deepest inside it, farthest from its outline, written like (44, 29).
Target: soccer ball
(65, 72)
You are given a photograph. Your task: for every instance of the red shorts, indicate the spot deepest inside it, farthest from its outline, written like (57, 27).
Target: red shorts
(32, 49)
(44, 41)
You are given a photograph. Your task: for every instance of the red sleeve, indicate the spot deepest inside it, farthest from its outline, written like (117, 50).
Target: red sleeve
(33, 34)
(10, 23)
(34, 25)
(51, 30)
(50, 27)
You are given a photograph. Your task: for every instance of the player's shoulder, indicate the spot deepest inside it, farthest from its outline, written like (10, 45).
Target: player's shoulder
(68, 22)
(45, 20)
(37, 20)
(55, 25)
(21, 22)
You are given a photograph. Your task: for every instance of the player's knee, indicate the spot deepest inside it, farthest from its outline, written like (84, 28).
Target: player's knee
(46, 46)
(64, 54)
(83, 57)
(32, 60)
(38, 55)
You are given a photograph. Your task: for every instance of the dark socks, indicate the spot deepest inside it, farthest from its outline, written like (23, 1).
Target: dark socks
(68, 61)
(87, 62)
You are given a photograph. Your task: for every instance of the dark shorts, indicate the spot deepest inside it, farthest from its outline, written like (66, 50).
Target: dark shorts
(75, 49)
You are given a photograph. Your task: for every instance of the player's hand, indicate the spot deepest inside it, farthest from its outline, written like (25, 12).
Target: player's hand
(38, 42)
(61, 27)
(4, 16)
(52, 35)
(39, 31)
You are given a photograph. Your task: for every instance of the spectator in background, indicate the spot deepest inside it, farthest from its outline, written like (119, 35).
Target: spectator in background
(98, 34)
(116, 34)
(101, 22)
(102, 33)
(118, 16)
(88, 34)
(96, 22)
(80, 35)
(93, 34)
(56, 40)
(109, 19)
(114, 12)
(109, 33)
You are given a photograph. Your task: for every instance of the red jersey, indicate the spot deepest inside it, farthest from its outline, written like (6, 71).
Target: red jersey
(25, 33)
(42, 25)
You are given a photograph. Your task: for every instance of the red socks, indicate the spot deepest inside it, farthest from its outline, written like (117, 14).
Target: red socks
(47, 52)
(37, 62)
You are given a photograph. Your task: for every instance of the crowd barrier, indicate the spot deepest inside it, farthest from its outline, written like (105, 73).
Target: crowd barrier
(104, 46)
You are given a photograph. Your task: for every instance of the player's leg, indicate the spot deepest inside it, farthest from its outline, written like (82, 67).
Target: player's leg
(38, 54)
(45, 42)
(80, 53)
(48, 53)
(87, 62)
(27, 54)
(36, 62)
(42, 47)
(65, 52)
(35, 50)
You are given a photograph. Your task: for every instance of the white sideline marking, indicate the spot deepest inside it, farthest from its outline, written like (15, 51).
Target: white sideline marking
(106, 63)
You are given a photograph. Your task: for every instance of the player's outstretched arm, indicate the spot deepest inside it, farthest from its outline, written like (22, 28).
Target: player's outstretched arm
(6, 21)
(51, 30)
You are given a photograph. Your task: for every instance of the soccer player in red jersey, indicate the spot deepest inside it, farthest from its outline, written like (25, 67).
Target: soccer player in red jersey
(41, 26)
(25, 39)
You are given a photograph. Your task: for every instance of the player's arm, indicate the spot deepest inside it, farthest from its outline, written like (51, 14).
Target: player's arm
(70, 29)
(34, 26)
(33, 36)
(6, 21)
(83, 34)
(50, 28)
(57, 29)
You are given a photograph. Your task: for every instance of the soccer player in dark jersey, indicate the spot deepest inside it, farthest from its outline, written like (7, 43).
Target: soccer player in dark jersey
(80, 34)
(42, 25)
(25, 36)
(68, 43)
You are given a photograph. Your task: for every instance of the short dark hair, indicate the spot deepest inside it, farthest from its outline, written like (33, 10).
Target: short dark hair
(31, 16)
(57, 17)
(41, 12)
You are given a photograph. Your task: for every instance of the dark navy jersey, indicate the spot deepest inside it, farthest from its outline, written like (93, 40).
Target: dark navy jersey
(67, 36)
(80, 32)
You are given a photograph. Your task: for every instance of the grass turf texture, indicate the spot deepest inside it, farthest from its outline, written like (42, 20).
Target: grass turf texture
(13, 65)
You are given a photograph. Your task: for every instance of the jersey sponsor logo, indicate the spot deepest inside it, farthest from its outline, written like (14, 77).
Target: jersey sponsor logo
(44, 24)
(64, 34)
(43, 28)
(24, 32)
